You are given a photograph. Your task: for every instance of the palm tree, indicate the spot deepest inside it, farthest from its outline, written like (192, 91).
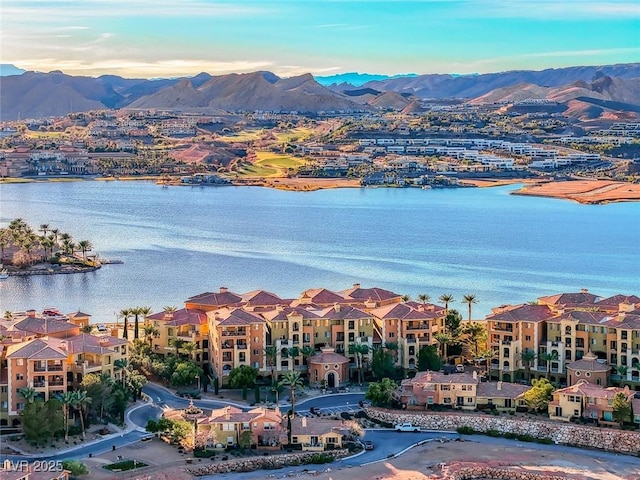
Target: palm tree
(307, 352)
(424, 298)
(621, 370)
(446, 298)
(122, 364)
(406, 298)
(81, 402)
(293, 380)
(66, 399)
(28, 393)
(55, 233)
(359, 349)
(4, 242)
(47, 245)
(125, 313)
(84, 246)
(177, 343)
(469, 300)
(548, 358)
(527, 356)
(8, 316)
(169, 309)
(149, 332)
(189, 348)
(44, 228)
(136, 325)
(271, 355)
(443, 339)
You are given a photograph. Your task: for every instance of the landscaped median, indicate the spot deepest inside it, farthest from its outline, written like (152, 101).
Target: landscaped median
(560, 433)
(270, 462)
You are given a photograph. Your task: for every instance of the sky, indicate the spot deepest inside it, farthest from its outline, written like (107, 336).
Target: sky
(165, 38)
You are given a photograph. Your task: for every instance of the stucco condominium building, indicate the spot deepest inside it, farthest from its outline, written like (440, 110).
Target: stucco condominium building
(560, 330)
(232, 329)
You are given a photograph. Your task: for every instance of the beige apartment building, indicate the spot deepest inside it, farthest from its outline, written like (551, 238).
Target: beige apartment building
(561, 330)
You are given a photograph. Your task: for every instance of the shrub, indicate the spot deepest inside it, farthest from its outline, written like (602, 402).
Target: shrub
(75, 467)
(319, 458)
(203, 453)
(466, 430)
(525, 438)
(510, 435)
(75, 430)
(125, 465)
(492, 433)
(546, 441)
(512, 412)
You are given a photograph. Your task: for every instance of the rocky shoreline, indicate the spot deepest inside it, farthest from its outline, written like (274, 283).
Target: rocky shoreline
(62, 270)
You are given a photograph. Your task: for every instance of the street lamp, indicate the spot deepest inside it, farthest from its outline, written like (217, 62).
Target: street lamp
(197, 377)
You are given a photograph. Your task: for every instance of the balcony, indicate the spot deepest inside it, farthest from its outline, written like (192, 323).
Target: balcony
(39, 384)
(234, 333)
(411, 340)
(54, 368)
(56, 383)
(506, 342)
(502, 328)
(39, 368)
(417, 326)
(242, 346)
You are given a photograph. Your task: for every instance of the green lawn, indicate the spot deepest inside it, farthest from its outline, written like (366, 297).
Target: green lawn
(271, 164)
(125, 465)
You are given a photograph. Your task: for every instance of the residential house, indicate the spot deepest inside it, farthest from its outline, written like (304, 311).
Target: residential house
(501, 396)
(314, 434)
(456, 390)
(585, 400)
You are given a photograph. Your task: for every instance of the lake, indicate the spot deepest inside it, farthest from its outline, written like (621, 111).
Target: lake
(181, 241)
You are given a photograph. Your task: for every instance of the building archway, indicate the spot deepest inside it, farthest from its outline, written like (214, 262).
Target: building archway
(331, 379)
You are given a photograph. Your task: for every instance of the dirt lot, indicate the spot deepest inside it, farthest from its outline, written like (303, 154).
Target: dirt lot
(420, 463)
(586, 191)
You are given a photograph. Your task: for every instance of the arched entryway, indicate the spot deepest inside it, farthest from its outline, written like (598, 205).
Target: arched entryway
(331, 379)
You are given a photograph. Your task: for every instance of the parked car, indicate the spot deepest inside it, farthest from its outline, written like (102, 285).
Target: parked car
(148, 438)
(315, 410)
(368, 445)
(460, 368)
(364, 403)
(406, 427)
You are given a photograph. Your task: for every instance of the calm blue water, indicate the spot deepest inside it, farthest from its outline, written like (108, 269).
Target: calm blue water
(180, 241)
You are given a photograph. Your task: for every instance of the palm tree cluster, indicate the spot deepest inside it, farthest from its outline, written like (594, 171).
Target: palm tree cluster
(136, 313)
(28, 247)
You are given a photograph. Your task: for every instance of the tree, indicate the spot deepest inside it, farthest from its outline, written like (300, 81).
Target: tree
(538, 396)
(452, 323)
(189, 348)
(28, 393)
(358, 350)
(98, 387)
(125, 314)
(185, 373)
(80, 401)
(245, 439)
(41, 421)
(66, 399)
(381, 394)
(443, 340)
(446, 298)
(475, 334)
(293, 380)
(428, 359)
(307, 352)
(135, 382)
(548, 358)
(621, 408)
(469, 299)
(76, 467)
(527, 356)
(149, 332)
(243, 377)
(122, 364)
(271, 355)
(87, 328)
(382, 363)
(424, 298)
(84, 246)
(177, 343)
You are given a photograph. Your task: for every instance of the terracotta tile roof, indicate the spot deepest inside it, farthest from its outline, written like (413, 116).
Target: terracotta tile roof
(589, 390)
(521, 313)
(38, 349)
(507, 390)
(86, 343)
(236, 317)
(440, 378)
(262, 298)
(183, 316)
(322, 296)
(281, 315)
(43, 326)
(344, 312)
(580, 316)
(316, 426)
(629, 320)
(376, 294)
(328, 355)
(589, 363)
(216, 299)
(616, 300)
(569, 299)
(402, 311)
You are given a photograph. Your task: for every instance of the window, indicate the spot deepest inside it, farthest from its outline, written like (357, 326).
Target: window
(391, 334)
(294, 439)
(430, 400)
(228, 427)
(4, 405)
(19, 376)
(351, 325)
(327, 334)
(469, 399)
(332, 440)
(19, 406)
(445, 388)
(256, 339)
(527, 338)
(246, 426)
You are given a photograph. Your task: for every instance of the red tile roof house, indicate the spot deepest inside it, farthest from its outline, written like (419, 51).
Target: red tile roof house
(587, 401)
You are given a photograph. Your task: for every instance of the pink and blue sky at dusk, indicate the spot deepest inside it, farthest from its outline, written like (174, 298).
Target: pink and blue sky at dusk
(160, 38)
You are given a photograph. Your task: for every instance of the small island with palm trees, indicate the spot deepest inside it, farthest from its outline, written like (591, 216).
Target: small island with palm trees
(24, 251)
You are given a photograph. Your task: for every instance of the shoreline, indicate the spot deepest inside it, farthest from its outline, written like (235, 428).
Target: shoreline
(585, 192)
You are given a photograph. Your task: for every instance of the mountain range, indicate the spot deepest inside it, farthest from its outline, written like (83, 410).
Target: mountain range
(34, 94)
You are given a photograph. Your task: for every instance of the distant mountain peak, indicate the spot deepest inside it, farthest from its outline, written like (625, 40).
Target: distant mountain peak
(7, 69)
(357, 79)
